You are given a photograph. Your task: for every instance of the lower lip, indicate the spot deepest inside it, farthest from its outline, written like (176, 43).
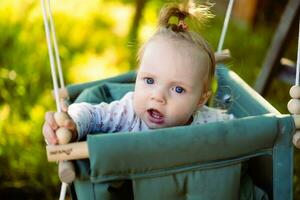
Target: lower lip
(155, 120)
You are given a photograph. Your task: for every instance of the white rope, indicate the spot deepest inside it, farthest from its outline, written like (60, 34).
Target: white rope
(225, 26)
(298, 59)
(53, 71)
(53, 32)
(51, 57)
(63, 191)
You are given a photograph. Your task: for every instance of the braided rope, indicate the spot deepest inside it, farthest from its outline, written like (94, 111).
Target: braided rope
(298, 59)
(225, 26)
(53, 32)
(51, 56)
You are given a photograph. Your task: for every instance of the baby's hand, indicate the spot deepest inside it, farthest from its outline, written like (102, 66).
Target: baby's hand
(53, 125)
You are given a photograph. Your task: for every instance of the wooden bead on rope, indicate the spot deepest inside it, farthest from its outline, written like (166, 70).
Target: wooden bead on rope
(294, 106)
(64, 135)
(60, 118)
(295, 92)
(222, 56)
(297, 121)
(66, 171)
(296, 139)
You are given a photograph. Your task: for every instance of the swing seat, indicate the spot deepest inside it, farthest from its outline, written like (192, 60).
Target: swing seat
(250, 157)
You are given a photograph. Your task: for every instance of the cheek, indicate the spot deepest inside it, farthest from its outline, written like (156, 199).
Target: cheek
(141, 90)
(184, 107)
(186, 111)
(138, 100)
(180, 116)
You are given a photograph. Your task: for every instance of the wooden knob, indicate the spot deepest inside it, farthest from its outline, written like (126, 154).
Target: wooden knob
(297, 121)
(66, 171)
(296, 139)
(222, 56)
(294, 106)
(64, 135)
(60, 118)
(295, 92)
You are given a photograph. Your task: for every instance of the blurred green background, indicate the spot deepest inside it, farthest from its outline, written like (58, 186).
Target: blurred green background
(97, 39)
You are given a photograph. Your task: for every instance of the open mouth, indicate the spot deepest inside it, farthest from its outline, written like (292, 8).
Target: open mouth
(155, 116)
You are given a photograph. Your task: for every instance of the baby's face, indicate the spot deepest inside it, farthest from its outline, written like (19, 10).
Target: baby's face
(169, 84)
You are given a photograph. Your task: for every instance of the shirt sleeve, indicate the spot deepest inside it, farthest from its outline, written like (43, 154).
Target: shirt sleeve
(207, 115)
(114, 117)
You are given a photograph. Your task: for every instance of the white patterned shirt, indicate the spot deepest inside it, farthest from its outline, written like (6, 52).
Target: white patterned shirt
(119, 116)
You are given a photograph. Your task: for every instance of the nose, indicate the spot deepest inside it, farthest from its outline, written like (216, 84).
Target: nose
(158, 96)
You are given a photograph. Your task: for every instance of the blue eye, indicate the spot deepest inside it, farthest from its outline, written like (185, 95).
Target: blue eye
(149, 81)
(179, 90)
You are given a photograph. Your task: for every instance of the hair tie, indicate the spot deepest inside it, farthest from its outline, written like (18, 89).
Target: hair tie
(182, 26)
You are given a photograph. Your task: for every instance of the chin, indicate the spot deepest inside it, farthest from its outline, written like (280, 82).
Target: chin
(156, 126)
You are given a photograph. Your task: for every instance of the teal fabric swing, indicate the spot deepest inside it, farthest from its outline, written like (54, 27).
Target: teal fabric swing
(218, 160)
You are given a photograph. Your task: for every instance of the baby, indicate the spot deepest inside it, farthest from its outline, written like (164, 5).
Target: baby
(176, 68)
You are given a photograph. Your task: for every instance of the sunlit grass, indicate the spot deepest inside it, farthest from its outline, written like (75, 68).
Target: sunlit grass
(121, 16)
(148, 23)
(14, 10)
(78, 26)
(77, 9)
(94, 67)
(93, 25)
(4, 113)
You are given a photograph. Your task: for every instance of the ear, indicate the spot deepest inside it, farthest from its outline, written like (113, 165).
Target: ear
(203, 99)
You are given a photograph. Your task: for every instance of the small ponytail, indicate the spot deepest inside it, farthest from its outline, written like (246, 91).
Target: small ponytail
(187, 9)
(169, 12)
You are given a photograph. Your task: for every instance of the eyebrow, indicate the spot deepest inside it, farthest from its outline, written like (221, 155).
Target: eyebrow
(146, 73)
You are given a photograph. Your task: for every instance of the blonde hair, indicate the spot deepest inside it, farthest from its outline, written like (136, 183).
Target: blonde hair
(180, 31)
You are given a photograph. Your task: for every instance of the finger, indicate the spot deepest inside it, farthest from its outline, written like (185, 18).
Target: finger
(49, 118)
(49, 135)
(63, 93)
(64, 105)
(70, 124)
